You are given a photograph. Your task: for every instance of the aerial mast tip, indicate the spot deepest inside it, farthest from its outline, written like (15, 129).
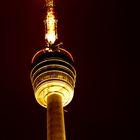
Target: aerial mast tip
(50, 24)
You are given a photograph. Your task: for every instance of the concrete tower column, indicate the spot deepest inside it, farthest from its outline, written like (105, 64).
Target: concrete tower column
(55, 118)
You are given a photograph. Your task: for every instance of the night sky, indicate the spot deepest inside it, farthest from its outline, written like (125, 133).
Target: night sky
(96, 34)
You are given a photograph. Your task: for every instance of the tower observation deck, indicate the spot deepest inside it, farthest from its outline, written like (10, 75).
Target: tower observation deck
(53, 77)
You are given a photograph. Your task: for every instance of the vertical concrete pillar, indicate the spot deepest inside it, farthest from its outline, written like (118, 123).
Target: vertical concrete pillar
(55, 118)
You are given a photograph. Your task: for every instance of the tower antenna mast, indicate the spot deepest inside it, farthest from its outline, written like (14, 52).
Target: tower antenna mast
(50, 23)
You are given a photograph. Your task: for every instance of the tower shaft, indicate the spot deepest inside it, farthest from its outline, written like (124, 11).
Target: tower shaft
(55, 118)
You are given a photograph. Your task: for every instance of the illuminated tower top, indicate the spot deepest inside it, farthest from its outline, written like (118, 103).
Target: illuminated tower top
(53, 72)
(53, 69)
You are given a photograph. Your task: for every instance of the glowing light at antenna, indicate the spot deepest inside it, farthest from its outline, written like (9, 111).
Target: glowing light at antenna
(51, 23)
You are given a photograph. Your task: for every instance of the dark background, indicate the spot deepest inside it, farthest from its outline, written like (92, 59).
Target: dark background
(96, 33)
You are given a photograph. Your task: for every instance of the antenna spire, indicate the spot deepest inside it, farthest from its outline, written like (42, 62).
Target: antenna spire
(50, 23)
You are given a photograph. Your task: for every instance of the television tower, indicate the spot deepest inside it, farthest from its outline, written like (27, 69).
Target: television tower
(53, 77)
